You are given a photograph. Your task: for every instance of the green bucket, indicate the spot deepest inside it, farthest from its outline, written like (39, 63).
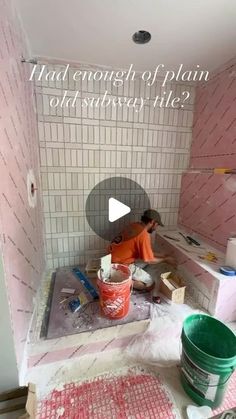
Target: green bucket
(208, 359)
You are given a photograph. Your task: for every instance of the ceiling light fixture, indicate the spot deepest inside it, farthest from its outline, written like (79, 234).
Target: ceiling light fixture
(141, 37)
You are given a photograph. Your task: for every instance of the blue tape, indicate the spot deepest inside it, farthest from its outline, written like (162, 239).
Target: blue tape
(227, 270)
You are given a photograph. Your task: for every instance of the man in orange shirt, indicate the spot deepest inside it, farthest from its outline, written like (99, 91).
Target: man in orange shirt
(133, 247)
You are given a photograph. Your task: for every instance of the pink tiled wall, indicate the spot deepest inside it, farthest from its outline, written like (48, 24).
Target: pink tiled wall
(214, 126)
(21, 226)
(208, 201)
(208, 206)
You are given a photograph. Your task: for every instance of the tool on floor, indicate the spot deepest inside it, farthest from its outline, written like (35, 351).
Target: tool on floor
(193, 240)
(156, 299)
(78, 302)
(74, 305)
(209, 256)
(65, 299)
(186, 238)
(171, 238)
(84, 280)
(67, 290)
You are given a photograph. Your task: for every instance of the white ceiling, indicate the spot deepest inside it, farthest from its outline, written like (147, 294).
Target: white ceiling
(99, 31)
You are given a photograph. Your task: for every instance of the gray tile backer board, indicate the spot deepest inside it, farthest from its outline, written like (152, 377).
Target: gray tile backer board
(63, 322)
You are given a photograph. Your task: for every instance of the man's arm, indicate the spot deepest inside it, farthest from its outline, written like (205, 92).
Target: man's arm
(167, 259)
(160, 255)
(146, 254)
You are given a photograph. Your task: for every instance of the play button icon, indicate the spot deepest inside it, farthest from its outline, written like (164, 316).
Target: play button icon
(113, 204)
(117, 210)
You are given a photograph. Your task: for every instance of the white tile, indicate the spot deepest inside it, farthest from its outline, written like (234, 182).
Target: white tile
(108, 158)
(79, 158)
(123, 159)
(84, 112)
(49, 157)
(52, 131)
(108, 135)
(119, 136)
(62, 181)
(65, 245)
(47, 131)
(61, 157)
(63, 203)
(68, 157)
(45, 204)
(119, 114)
(130, 114)
(57, 184)
(73, 158)
(68, 181)
(91, 158)
(85, 134)
(85, 158)
(118, 159)
(73, 133)
(52, 203)
(108, 112)
(113, 113)
(151, 115)
(142, 89)
(46, 105)
(55, 157)
(43, 161)
(50, 181)
(102, 113)
(125, 113)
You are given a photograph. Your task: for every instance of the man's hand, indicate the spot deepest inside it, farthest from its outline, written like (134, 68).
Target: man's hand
(160, 259)
(160, 255)
(172, 261)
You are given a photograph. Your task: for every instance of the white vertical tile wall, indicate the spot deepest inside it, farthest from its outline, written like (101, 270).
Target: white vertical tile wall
(80, 147)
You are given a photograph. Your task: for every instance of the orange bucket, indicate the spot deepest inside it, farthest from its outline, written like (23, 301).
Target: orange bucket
(115, 291)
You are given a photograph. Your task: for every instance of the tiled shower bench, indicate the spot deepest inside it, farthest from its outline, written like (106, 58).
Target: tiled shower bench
(212, 290)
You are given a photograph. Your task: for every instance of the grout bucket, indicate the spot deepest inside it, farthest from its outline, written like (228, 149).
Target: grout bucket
(208, 359)
(115, 291)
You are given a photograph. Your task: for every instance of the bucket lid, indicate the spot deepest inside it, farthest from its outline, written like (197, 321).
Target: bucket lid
(227, 270)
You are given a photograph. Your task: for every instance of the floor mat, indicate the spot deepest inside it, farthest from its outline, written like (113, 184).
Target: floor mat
(135, 395)
(63, 322)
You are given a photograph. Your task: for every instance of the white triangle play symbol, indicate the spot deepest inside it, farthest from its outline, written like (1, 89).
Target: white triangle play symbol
(117, 210)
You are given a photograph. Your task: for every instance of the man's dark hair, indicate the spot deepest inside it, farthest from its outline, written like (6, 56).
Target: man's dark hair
(146, 220)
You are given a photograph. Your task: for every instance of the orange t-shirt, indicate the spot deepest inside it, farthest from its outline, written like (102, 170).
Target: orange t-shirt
(132, 244)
